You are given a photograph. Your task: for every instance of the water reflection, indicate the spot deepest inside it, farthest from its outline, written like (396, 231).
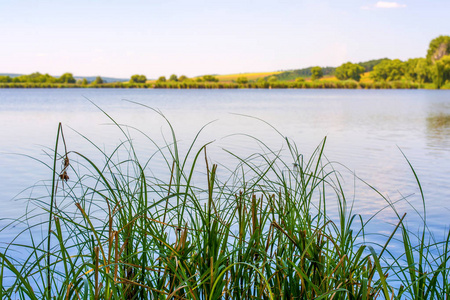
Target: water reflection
(438, 126)
(439, 122)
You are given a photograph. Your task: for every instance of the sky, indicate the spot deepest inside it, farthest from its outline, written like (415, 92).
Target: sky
(197, 37)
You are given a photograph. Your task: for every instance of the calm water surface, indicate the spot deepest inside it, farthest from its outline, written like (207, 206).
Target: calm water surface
(365, 131)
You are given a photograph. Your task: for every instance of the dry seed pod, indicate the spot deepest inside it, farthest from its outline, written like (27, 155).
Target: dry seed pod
(64, 176)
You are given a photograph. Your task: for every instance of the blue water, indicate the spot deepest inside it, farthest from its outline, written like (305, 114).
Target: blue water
(366, 130)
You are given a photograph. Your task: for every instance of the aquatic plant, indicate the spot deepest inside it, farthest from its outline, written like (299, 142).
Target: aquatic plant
(199, 230)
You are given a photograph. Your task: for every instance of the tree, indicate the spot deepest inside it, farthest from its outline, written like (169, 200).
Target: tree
(210, 78)
(441, 71)
(262, 82)
(98, 80)
(66, 78)
(349, 71)
(182, 78)
(138, 79)
(388, 70)
(316, 73)
(423, 71)
(162, 79)
(438, 48)
(242, 80)
(299, 79)
(85, 82)
(35, 78)
(272, 79)
(173, 77)
(417, 70)
(5, 79)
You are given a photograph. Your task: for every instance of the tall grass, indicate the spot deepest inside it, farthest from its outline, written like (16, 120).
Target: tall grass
(199, 230)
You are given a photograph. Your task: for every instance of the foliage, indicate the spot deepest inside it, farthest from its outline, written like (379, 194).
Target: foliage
(316, 73)
(349, 71)
(272, 79)
(292, 75)
(5, 79)
(441, 71)
(388, 70)
(441, 43)
(114, 230)
(138, 79)
(369, 65)
(418, 70)
(210, 78)
(327, 71)
(98, 80)
(162, 79)
(173, 77)
(242, 80)
(182, 78)
(66, 78)
(35, 78)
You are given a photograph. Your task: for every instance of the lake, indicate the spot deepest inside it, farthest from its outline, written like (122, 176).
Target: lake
(366, 130)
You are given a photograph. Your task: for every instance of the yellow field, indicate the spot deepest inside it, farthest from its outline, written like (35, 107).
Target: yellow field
(250, 76)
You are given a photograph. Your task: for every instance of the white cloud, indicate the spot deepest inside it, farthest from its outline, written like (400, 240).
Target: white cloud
(383, 4)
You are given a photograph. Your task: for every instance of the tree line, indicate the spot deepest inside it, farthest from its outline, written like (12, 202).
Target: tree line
(434, 68)
(46, 79)
(385, 73)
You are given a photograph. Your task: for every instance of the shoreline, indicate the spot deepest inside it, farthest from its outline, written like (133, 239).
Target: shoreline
(219, 85)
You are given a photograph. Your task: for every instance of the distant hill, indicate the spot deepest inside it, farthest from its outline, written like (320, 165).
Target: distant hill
(327, 71)
(292, 74)
(10, 74)
(88, 78)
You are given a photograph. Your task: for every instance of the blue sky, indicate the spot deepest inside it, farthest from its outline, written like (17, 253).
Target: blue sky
(196, 37)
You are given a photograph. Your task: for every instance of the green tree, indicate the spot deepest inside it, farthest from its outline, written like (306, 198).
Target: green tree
(242, 80)
(85, 82)
(66, 78)
(423, 71)
(210, 78)
(272, 79)
(299, 79)
(417, 70)
(388, 70)
(162, 79)
(98, 80)
(35, 78)
(5, 79)
(316, 73)
(263, 83)
(138, 79)
(439, 47)
(182, 78)
(173, 77)
(441, 71)
(349, 71)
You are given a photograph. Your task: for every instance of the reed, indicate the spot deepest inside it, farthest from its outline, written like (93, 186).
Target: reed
(257, 231)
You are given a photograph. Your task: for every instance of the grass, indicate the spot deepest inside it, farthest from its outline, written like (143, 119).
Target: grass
(198, 230)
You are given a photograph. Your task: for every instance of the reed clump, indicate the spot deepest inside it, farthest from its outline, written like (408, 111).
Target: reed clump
(259, 231)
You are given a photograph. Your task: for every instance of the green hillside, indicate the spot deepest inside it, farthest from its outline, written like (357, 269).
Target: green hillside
(327, 71)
